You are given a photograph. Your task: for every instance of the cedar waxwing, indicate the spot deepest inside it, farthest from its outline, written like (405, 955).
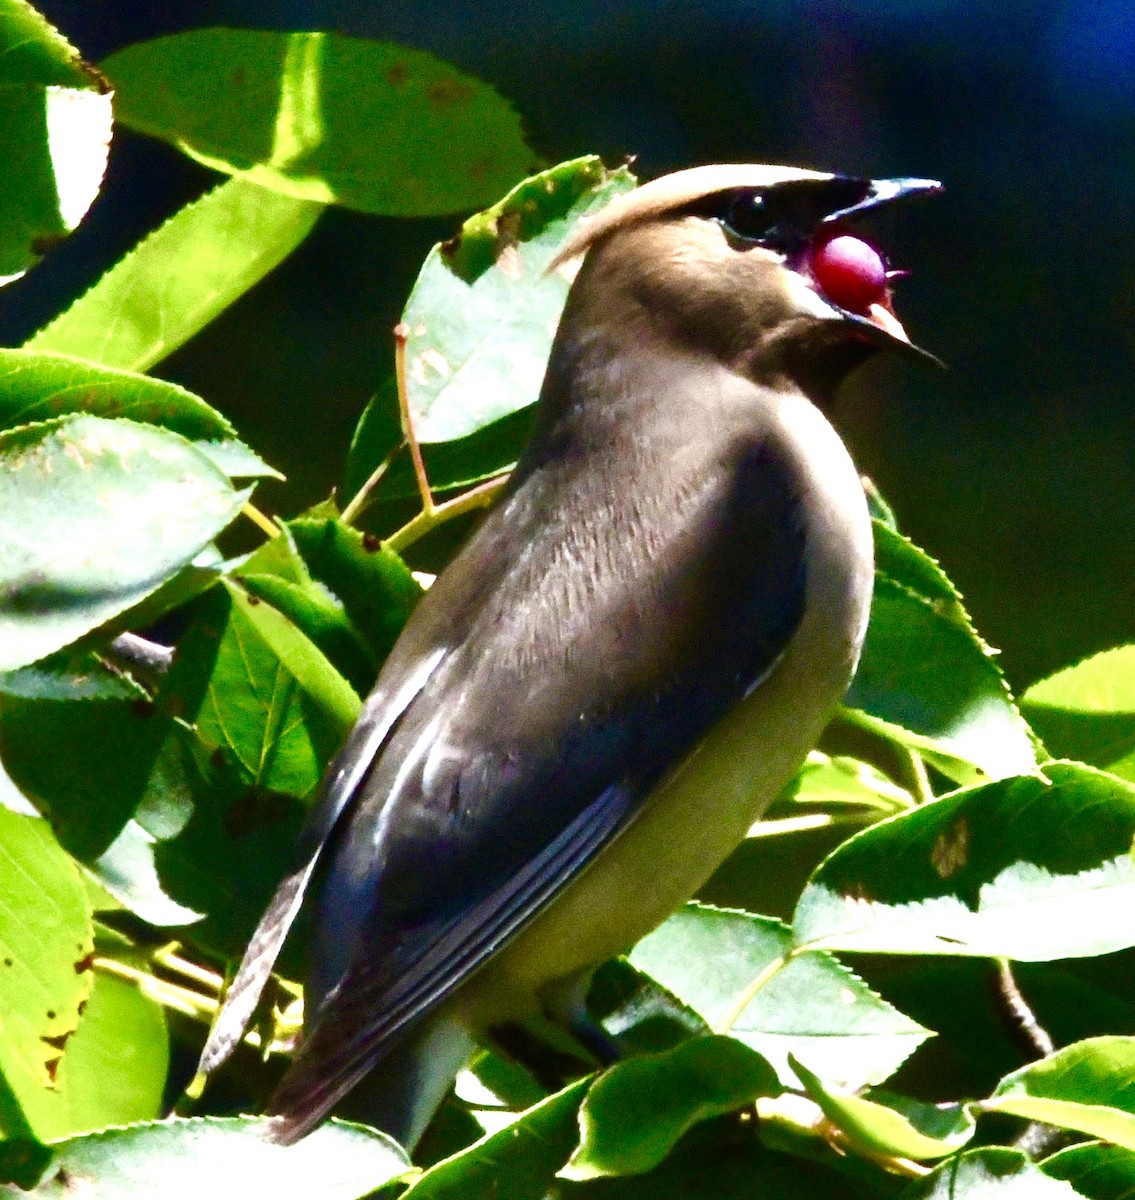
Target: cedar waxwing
(624, 665)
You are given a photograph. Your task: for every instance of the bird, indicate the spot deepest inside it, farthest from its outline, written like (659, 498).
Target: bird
(624, 665)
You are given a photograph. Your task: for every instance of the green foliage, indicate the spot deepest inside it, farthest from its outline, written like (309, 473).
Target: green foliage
(55, 111)
(934, 834)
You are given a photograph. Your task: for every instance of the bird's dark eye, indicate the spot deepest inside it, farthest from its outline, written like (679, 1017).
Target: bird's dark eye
(749, 215)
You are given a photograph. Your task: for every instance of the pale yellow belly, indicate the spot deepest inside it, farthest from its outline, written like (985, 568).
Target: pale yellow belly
(704, 807)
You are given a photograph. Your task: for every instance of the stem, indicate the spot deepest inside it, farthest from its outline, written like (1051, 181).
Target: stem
(478, 497)
(919, 778)
(401, 336)
(359, 500)
(168, 995)
(262, 522)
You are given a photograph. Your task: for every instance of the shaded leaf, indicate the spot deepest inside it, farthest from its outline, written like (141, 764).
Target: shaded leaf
(72, 674)
(812, 1006)
(319, 116)
(128, 871)
(276, 573)
(482, 313)
(205, 1155)
(55, 111)
(1096, 1170)
(104, 757)
(257, 690)
(176, 280)
(520, 1161)
(95, 515)
(46, 939)
(1088, 711)
(991, 1173)
(373, 584)
(1028, 868)
(924, 669)
(1088, 1086)
(900, 1128)
(635, 1113)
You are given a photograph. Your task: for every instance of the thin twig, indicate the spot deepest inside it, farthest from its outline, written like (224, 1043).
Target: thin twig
(401, 336)
(477, 497)
(262, 522)
(359, 500)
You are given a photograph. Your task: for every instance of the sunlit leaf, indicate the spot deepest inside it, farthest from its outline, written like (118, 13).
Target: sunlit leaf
(1088, 711)
(370, 125)
(635, 1113)
(1086, 1086)
(813, 1006)
(1096, 1170)
(483, 313)
(37, 387)
(55, 113)
(184, 1159)
(95, 515)
(176, 280)
(901, 1128)
(520, 1161)
(1029, 868)
(45, 969)
(925, 670)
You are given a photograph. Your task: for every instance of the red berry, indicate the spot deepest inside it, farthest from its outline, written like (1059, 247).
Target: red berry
(850, 273)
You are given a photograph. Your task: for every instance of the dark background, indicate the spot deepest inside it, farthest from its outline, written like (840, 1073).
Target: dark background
(1016, 467)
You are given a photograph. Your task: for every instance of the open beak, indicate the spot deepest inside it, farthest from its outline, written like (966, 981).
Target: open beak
(880, 317)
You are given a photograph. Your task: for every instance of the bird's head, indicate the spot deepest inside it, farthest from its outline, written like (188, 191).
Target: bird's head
(757, 266)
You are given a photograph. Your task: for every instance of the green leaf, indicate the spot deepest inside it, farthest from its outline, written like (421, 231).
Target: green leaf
(128, 870)
(991, 1173)
(635, 1113)
(176, 280)
(268, 711)
(38, 387)
(483, 313)
(95, 515)
(813, 1005)
(72, 674)
(372, 583)
(46, 939)
(925, 670)
(834, 789)
(276, 573)
(369, 125)
(901, 1128)
(23, 1160)
(183, 1159)
(1088, 711)
(519, 1161)
(104, 758)
(1096, 1170)
(114, 1070)
(55, 112)
(259, 691)
(1029, 868)
(1088, 1086)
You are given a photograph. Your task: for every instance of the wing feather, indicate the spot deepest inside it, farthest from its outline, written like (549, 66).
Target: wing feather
(343, 778)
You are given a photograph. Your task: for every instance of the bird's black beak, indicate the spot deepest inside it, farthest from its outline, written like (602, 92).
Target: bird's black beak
(880, 321)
